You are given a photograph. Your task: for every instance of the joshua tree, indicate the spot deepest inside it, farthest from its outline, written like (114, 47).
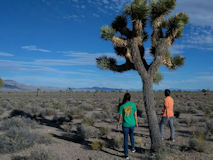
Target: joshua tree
(1, 83)
(128, 42)
(204, 91)
(38, 91)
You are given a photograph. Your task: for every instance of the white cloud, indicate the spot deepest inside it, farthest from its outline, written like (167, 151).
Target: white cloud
(35, 48)
(96, 15)
(6, 54)
(200, 12)
(36, 67)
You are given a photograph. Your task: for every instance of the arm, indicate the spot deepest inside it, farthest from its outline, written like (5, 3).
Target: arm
(136, 119)
(119, 120)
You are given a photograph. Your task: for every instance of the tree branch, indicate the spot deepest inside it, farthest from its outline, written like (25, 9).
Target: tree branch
(119, 42)
(138, 62)
(161, 50)
(106, 63)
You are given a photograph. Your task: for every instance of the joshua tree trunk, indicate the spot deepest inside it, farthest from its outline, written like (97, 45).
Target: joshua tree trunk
(149, 104)
(129, 43)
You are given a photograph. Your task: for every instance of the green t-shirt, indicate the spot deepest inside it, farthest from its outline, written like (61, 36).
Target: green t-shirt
(127, 110)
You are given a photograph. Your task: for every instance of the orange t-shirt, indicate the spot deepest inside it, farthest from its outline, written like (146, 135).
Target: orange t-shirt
(168, 103)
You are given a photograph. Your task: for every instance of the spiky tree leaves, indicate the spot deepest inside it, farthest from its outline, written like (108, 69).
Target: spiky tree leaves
(107, 32)
(106, 63)
(161, 7)
(175, 25)
(178, 61)
(137, 10)
(129, 44)
(157, 78)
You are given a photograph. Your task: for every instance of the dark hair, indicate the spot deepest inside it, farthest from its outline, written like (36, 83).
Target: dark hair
(167, 92)
(126, 98)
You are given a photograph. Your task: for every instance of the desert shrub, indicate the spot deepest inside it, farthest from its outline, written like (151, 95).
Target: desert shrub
(59, 120)
(208, 112)
(47, 112)
(198, 144)
(42, 154)
(69, 116)
(34, 110)
(86, 106)
(100, 116)
(58, 106)
(1, 111)
(6, 104)
(18, 138)
(104, 131)
(189, 121)
(86, 132)
(138, 141)
(77, 112)
(67, 126)
(116, 142)
(97, 116)
(17, 122)
(38, 154)
(88, 121)
(209, 126)
(98, 145)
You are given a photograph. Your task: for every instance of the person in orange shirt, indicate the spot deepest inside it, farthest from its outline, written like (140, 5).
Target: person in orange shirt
(168, 115)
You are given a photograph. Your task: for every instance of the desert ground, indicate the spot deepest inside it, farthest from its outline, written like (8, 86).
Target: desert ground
(68, 125)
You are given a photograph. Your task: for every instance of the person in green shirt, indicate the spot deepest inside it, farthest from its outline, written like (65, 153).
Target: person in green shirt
(128, 113)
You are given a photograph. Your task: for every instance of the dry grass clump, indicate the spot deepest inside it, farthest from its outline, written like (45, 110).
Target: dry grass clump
(116, 142)
(138, 141)
(88, 121)
(98, 145)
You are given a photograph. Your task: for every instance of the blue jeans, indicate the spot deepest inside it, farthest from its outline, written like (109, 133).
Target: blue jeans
(126, 131)
(164, 122)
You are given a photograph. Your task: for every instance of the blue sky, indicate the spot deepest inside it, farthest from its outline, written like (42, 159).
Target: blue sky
(55, 43)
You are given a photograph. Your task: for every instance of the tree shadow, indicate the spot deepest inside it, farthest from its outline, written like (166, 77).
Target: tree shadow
(74, 138)
(184, 133)
(40, 119)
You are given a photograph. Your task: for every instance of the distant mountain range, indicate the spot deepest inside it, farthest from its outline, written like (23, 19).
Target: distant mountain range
(97, 89)
(11, 85)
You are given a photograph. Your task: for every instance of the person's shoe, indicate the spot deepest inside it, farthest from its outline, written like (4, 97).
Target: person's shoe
(173, 140)
(133, 150)
(126, 157)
